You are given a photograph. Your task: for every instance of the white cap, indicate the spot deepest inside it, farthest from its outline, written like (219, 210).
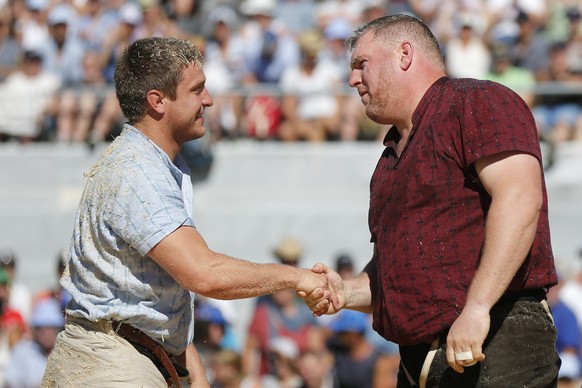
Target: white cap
(570, 368)
(37, 4)
(284, 346)
(47, 313)
(130, 13)
(258, 7)
(61, 14)
(223, 14)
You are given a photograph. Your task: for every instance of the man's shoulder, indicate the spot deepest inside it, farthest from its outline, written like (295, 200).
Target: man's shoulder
(122, 162)
(467, 85)
(127, 150)
(470, 91)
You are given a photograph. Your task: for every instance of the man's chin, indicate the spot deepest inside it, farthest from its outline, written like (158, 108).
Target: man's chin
(196, 133)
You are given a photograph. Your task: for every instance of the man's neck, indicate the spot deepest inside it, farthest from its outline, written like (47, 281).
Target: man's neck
(158, 136)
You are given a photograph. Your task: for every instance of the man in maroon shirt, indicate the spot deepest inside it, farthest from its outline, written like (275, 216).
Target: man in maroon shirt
(458, 217)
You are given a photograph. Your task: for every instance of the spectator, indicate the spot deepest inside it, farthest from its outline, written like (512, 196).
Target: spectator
(155, 22)
(210, 328)
(467, 55)
(12, 331)
(270, 48)
(12, 328)
(385, 373)
(373, 9)
(520, 80)
(444, 17)
(227, 370)
(283, 354)
(63, 52)
(316, 369)
(335, 52)
(344, 266)
(280, 314)
(570, 292)
(57, 293)
(329, 10)
(574, 39)
(186, 13)
(79, 106)
(531, 49)
(558, 114)
(503, 17)
(4, 290)
(28, 359)
(568, 342)
(297, 15)
(19, 296)
(224, 68)
(10, 48)
(116, 39)
(312, 95)
(229, 309)
(355, 357)
(31, 25)
(95, 21)
(26, 98)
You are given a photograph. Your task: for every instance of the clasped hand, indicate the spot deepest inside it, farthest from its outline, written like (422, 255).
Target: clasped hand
(328, 298)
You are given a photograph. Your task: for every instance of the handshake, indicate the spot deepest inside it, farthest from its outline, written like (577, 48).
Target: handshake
(323, 290)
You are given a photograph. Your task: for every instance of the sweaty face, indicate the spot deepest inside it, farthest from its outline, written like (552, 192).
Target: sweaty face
(371, 75)
(185, 113)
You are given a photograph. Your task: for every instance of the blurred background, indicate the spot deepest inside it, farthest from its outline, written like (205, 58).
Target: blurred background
(288, 153)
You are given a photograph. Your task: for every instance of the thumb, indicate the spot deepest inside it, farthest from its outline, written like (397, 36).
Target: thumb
(320, 268)
(326, 270)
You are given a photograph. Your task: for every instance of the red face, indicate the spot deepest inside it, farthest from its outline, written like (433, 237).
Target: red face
(185, 112)
(372, 75)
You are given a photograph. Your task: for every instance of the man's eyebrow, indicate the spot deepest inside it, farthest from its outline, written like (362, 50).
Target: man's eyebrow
(355, 61)
(199, 84)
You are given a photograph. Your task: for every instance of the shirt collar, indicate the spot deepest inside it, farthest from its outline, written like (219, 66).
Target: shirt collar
(393, 136)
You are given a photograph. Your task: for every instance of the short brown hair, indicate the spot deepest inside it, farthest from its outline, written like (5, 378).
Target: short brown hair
(151, 63)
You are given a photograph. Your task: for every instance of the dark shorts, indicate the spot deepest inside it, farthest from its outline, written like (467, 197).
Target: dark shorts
(519, 352)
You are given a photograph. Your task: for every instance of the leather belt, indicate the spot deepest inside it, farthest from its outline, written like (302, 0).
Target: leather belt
(531, 295)
(136, 336)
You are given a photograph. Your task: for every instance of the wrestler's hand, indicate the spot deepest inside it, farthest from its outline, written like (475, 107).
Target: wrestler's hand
(466, 337)
(314, 287)
(337, 297)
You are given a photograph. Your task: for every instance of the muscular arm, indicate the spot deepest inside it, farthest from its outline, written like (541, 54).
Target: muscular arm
(514, 182)
(185, 255)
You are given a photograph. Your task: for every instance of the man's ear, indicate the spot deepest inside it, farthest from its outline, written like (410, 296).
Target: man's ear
(156, 101)
(406, 55)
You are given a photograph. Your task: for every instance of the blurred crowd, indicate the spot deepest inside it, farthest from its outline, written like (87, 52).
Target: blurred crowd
(282, 345)
(277, 69)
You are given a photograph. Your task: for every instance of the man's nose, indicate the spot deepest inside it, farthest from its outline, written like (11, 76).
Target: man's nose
(354, 79)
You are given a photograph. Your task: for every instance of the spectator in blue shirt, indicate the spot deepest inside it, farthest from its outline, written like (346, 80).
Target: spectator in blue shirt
(568, 339)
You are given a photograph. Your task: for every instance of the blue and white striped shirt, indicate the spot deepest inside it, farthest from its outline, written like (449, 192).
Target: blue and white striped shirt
(133, 198)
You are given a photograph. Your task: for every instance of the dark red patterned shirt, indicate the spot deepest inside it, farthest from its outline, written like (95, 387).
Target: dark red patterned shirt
(428, 209)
